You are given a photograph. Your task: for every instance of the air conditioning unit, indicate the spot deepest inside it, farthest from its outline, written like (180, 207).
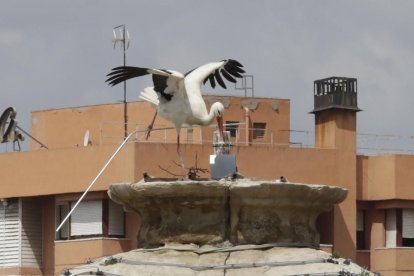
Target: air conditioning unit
(222, 163)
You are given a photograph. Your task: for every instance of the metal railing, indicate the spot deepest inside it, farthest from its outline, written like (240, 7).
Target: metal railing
(367, 143)
(374, 144)
(112, 132)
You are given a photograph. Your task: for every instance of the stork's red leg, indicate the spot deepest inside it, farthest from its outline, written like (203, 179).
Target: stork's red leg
(180, 155)
(150, 126)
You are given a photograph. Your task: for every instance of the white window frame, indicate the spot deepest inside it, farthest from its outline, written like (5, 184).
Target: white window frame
(391, 228)
(92, 218)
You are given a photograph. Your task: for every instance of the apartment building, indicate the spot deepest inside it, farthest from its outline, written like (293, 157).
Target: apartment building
(374, 226)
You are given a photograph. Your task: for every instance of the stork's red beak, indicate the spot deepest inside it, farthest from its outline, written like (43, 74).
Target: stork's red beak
(220, 126)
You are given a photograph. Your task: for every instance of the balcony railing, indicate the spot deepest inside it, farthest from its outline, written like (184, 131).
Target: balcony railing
(336, 99)
(335, 92)
(367, 143)
(111, 132)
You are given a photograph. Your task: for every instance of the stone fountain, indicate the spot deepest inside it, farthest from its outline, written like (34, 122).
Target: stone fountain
(239, 211)
(227, 227)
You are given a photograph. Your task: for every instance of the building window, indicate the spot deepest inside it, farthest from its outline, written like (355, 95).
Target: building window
(232, 127)
(61, 212)
(86, 220)
(116, 220)
(9, 233)
(390, 228)
(91, 218)
(259, 130)
(360, 235)
(399, 226)
(408, 227)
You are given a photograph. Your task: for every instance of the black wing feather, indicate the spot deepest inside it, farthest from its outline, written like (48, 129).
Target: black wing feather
(233, 73)
(160, 83)
(232, 69)
(219, 79)
(123, 73)
(235, 62)
(212, 82)
(227, 76)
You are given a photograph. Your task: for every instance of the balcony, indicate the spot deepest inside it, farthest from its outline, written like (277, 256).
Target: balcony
(385, 177)
(78, 252)
(393, 259)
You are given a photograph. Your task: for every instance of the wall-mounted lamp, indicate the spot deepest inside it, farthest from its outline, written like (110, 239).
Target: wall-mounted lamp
(4, 202)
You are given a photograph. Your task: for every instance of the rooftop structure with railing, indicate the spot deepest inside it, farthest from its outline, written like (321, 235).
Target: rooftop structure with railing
(335, 92)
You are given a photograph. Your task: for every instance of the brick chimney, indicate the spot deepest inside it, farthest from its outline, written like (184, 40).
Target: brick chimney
(335, 108)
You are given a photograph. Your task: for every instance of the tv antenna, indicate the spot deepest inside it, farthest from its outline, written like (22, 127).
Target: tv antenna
(124, 40)
(247, 83)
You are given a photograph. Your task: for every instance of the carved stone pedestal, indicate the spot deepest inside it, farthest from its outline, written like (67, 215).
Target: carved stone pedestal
(241, 211)
(268, 212)
(179, 212)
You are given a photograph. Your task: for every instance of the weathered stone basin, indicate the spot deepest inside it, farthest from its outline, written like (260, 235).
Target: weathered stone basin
(241, 211)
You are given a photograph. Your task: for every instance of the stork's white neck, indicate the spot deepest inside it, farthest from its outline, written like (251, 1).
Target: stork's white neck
(214, 110)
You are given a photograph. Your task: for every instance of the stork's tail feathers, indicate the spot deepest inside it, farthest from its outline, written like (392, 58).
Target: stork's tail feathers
(150, 96)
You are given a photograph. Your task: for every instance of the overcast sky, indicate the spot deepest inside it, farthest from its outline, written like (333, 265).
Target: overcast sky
(56, 54)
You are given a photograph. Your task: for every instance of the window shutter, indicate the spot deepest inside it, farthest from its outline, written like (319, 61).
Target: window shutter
(61, 213)
(87, 219)
(259, 130)
(360, 220)
(9, 235)
(391, 228)
(31, 245)
(408, 223)
(116, 219)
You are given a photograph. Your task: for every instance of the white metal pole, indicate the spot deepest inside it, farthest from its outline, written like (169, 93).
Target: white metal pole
(93, 182)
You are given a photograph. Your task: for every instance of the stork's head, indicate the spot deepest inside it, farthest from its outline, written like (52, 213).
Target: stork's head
(218, 110)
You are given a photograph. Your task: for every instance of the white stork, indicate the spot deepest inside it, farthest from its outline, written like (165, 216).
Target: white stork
(177, 97)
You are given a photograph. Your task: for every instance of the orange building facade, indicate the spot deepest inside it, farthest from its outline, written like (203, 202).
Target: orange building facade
(373, 226)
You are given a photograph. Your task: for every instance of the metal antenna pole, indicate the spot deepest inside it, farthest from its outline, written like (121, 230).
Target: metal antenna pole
(28, 134)
(123, 39)
(125, 100)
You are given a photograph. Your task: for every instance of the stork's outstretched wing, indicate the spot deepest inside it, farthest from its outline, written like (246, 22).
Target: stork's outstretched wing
(165, 81)
(123, 73)
(229, 69)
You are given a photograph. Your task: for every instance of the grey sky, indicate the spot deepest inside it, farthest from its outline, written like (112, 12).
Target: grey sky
(56, 53)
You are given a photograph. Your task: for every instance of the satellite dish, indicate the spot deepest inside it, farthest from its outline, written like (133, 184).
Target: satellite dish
(10, 131)
(86, 140)
(8, 126)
